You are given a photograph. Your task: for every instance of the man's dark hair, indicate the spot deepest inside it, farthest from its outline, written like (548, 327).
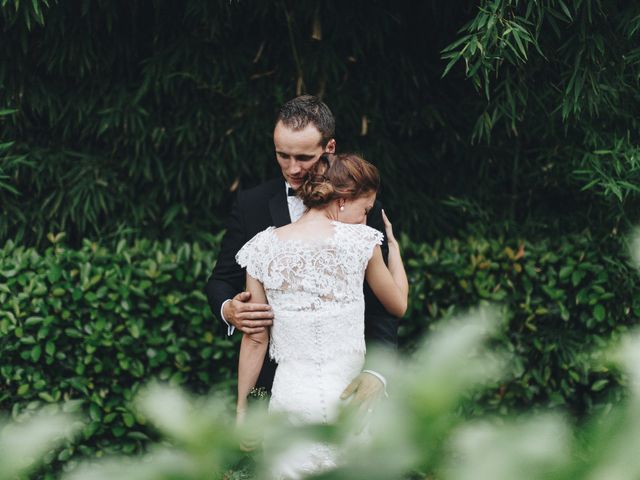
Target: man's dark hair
(301, 111)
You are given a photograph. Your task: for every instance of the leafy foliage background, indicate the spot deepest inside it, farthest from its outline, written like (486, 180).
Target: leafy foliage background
(505, 132)
(140, 118)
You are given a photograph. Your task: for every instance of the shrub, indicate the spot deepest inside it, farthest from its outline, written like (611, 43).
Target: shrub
(90, 325)
(562, 298)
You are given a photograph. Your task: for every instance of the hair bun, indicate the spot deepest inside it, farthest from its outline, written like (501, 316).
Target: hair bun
(344, 175)
(317, 189)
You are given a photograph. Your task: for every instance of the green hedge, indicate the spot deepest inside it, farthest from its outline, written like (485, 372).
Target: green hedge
(562, 299)
(92, 325)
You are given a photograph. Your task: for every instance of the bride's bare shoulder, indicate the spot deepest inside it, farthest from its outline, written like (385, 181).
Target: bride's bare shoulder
(304, 231)
(285, 229)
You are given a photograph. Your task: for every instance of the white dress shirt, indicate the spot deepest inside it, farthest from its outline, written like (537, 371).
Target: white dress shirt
(295, 204)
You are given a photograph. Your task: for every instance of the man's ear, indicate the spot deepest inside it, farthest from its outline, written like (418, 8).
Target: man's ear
(331, 146)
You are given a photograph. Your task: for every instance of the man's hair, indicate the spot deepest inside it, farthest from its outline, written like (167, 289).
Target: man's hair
(301, 111)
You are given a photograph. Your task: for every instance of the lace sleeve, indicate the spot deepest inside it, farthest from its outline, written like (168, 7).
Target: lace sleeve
(252, 255)
(364, 239)
(370, 238)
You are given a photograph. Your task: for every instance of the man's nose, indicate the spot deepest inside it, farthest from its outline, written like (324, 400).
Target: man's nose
(294, 167)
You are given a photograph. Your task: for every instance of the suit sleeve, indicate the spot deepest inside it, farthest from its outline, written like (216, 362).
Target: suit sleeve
(228, 278)
(380, 328)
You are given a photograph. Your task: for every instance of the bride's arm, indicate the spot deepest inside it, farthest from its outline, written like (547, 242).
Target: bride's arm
(252, 351)
(390, 284)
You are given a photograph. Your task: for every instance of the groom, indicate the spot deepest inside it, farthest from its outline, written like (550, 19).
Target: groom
(304, 130)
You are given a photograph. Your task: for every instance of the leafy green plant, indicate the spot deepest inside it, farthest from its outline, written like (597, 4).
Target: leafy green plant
(562, 299)
(90, 326)
(141, 120)
(557, 77)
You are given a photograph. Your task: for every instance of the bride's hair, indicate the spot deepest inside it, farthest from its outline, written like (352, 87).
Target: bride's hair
(345, 175)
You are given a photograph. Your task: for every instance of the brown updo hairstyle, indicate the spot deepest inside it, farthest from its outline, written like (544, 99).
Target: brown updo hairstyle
(332, 177)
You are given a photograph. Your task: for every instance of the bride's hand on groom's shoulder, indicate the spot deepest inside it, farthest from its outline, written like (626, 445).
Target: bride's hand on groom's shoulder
(388, 229)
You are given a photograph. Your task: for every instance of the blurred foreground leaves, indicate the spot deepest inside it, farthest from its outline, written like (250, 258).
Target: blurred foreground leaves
(26, 443)
(418, 432)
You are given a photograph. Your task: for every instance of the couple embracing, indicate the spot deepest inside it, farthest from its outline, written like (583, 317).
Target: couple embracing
(302, 274)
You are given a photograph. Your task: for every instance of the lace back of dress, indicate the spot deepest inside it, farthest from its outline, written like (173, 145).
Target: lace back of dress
(314, 288)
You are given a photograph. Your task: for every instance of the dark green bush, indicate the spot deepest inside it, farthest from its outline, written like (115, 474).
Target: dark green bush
(140, 117)
(563, 299)
(92, 325)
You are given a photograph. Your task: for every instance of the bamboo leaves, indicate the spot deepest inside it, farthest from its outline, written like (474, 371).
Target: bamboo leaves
(494, 35)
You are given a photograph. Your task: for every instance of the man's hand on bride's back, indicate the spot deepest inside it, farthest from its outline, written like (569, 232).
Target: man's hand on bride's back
(363, 391)
(246, 316)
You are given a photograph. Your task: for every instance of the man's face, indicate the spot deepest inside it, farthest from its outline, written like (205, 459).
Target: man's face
(298, 151)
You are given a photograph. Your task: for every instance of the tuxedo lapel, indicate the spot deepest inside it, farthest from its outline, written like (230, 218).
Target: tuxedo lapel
(279, 208)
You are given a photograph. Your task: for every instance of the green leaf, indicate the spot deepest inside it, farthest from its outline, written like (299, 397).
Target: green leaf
(90, 429)
(128, 419)
(36, 352)
(95, 412)
(599, 385)
(54, 273)
(576, 277)
(46, 397)
(565, 272)
(65, 454)
(565, 9)
(599, 312)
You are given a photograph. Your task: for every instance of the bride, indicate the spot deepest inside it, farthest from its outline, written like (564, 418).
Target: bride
(311, 272)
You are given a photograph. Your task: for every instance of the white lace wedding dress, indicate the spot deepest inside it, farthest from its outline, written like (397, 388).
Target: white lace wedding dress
(317, 337)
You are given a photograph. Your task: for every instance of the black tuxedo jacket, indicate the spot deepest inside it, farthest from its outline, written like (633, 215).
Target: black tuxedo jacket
(253, 211)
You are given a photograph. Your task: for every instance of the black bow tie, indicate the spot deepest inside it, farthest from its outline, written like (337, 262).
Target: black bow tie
(291, 192)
